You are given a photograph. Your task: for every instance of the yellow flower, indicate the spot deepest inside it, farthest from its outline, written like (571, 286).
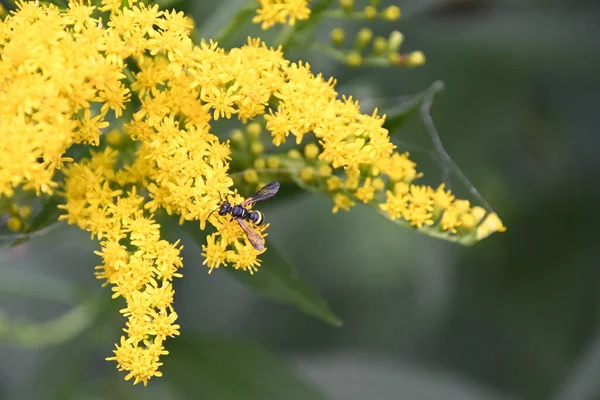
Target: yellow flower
(442, 198)
(450, 219)
(395, 205)
(420, 209)
(490, 225)
(366, 193)
(53, 67)
(341, 202)
(271, 12)
(398, 167)
(141, 274)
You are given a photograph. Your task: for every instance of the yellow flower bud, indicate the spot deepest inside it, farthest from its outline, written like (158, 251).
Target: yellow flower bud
(307, 174)
(260, 163)
(347, 5)
(462, 205)
(467, 221)
(337, 36)
(311, 151)
(250, 176)
(237, 136)
(478, 213)
(370, 12)
(14, 224)
(254, 129)
(392, 13)
(24, 211)
(395, 40)
(334, 183)
(380, 45)
(394, 58)
(363, 37)
(273, 162)
(378, 184)
(256, 148)
(354, 59)
(114, 138)
(415, 59)
(294, 154)
(325, 170)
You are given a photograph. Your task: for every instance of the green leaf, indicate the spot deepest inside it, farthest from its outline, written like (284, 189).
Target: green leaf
(399, 113)
(221, 369)
(278, 280)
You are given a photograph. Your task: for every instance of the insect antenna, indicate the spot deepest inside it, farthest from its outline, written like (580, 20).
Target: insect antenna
(221, 200)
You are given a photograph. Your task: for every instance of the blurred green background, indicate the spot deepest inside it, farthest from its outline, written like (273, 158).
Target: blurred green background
(514, 317)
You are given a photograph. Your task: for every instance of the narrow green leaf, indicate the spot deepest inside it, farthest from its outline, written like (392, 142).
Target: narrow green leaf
(399, 113)
(221, 369)
(35, 285)
(278, 280)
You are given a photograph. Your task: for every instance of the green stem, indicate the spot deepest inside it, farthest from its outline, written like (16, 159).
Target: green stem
(59, 330)
(287, 34)
(35, 285)
(342, 56)
(240, 18)
(342, 14)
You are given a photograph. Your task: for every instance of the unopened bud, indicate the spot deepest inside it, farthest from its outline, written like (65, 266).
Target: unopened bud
(380, 45)
(370, 12)
(363, 38)
(392, 13)
(337, 36)
(395, 40)
(354, 59)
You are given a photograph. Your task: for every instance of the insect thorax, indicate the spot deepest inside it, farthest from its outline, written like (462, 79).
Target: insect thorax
(225, 208)
(240, 212)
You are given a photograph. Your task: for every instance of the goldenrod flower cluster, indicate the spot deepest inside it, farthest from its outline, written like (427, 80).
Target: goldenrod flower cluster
(271, 12)
(136, 262)
(54, 65)
(69, 74)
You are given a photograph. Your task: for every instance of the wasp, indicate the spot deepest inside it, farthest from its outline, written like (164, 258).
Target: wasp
(242, 215)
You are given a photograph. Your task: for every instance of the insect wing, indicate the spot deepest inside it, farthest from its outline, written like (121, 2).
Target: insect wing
(264, 193)
(255, 239)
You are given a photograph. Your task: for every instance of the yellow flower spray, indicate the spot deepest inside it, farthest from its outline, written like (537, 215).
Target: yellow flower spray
(131, 83)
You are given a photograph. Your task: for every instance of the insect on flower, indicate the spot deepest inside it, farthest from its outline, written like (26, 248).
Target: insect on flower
(242, 215)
